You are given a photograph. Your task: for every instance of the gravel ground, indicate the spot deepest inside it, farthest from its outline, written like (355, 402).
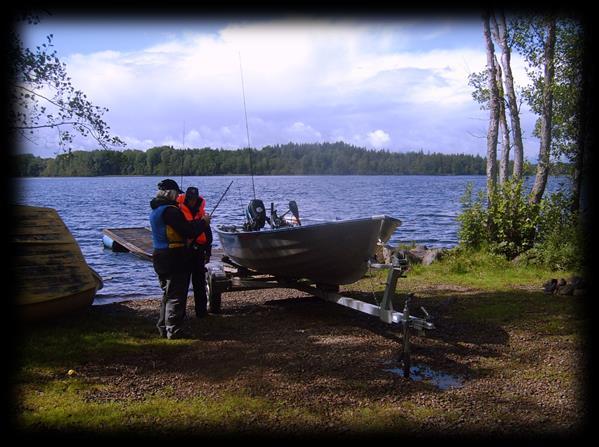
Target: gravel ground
(294, 349)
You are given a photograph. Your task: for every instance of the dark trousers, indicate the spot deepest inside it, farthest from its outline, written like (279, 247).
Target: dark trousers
(173, 275)
(198, 281)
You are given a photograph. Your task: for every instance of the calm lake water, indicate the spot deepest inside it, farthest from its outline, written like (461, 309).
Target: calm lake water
(427, 206)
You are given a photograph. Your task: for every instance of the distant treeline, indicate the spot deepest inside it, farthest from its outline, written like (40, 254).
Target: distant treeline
(288, 159)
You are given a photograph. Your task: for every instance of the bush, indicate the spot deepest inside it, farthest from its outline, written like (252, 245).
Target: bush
(548, 233)
(559, 240)
(512, 221)
(473, 229)
(506, 226)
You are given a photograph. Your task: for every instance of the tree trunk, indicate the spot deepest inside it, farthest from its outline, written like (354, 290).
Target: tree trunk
(588, 125)
(493, 109)
(511, 95)
(504, 162)
(545, 148)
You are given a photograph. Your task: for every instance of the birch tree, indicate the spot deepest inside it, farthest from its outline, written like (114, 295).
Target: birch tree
(530, 38)
(547, 111)
(493, 108)
(504, 161)
(512, 103)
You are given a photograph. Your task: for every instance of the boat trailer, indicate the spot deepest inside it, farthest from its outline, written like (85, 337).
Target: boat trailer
(226, 276)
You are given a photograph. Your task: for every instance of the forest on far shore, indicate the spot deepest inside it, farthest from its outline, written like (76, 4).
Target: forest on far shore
(288, 159)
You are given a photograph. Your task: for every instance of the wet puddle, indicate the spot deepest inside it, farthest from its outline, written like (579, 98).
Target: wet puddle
(422, 373)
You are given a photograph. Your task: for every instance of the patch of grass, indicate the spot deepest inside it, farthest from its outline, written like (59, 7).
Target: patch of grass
(464, 270)
(71, 341)
(60, 404)
(420, 413)
(404, 416)
(482, 270)
(545, 315)
(375, 418)
(490, 290)
(547, 374)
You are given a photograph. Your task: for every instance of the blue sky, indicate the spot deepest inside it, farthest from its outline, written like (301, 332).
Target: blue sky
(398, 83)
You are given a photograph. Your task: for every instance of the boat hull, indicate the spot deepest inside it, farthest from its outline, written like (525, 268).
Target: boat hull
(333, 253)
(52, 277)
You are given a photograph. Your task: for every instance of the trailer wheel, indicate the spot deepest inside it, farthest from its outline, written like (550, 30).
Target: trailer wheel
(214, 303)
(214, 297)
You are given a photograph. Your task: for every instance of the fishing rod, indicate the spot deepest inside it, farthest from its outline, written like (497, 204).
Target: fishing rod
(221, 198)
(183, 155)
(247, 129)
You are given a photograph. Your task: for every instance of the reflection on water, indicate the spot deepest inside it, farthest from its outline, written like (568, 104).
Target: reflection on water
(422, 373)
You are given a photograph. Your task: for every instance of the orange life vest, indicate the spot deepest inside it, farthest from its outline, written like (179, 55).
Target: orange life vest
(201, 239)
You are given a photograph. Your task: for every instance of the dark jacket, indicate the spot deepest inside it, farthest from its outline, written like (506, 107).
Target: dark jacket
(166, 261)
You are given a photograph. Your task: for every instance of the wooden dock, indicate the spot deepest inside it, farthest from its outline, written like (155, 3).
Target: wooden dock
(137, 240)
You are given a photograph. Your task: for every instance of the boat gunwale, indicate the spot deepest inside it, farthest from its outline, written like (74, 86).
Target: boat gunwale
(296, 227)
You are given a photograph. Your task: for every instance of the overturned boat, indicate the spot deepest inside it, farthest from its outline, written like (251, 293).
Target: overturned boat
(51, 275)
(330, 253)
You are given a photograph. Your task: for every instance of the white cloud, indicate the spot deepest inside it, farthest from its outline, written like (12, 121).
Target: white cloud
(136, 143)
(300, 132)
(283, 66)
(378, 138)
(320, 80)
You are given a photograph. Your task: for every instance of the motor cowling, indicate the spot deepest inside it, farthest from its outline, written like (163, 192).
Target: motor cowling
(255, 215)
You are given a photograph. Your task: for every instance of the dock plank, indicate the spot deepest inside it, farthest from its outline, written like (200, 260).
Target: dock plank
(138, 240)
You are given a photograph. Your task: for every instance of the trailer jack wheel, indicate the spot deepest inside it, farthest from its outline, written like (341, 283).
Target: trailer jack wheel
(214, 296)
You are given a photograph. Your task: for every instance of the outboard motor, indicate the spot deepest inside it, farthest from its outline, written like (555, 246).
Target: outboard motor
(295, 211)
(277, 221)
(255, 215)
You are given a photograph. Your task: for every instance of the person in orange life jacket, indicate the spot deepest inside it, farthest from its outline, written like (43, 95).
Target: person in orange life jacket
(193, 207)
(171, 256)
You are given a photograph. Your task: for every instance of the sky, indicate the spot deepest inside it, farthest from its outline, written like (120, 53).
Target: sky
(396, 83)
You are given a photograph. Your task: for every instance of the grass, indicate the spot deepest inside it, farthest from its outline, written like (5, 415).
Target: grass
(483, 271)
(489, 289)
(61, 406)
(69, 341)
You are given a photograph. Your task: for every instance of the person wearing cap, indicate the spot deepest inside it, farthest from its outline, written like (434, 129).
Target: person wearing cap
(193, 207)
(171, 256)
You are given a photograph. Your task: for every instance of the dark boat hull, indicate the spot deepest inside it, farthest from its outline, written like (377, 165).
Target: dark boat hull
(51, 275)
(329, 253)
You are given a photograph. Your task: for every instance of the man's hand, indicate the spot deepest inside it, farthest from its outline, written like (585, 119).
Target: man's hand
(207, 218)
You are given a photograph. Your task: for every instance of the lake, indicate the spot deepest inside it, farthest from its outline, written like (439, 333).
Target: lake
(426, 205)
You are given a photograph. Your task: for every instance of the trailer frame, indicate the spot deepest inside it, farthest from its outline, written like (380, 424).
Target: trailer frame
(226, 276)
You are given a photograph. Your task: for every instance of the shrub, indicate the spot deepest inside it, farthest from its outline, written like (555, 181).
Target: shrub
(548, 233)
(473, 229)
(506, 226)
(512, 220)
(559, 240)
